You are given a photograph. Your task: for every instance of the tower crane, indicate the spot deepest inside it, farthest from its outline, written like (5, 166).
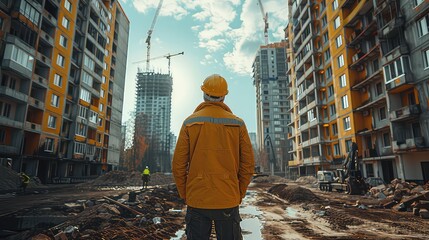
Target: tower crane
(265, 18)
(149, 34)
(168, 56)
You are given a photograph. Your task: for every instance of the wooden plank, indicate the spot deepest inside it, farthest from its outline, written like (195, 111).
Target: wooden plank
(124, 206)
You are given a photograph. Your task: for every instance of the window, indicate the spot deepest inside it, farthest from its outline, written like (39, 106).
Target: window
(379, 89)
(426, 58)
(58, 80)
(422, 26)
(328, 73)
(101, 107)
(345, 101)
(65, 23)
(334, 129)
(93, 116)
(102, 93)
(63, 41)
(396, 68)
(5, 109)
(348, 145)
(337, 22)
(86, 78)
(60, 60)
(332, 109)
(88, 62)
(346, 122)
(324, 20)
(52, 121)
(326, 37)
(341, 61)
(79, 148)
(336, 149)
(339, 41)
(81, 129)
(82, 111)
(103, 79)
(49, 145)
(334, 5)
(19, 56)
(327, 55)
(310, 115)
(85, 95)
(343, 81)
(369, 170)
(67, 5)
(29, 12)
(2, 135)
(55, 100)
(331, 90)
(386, 139)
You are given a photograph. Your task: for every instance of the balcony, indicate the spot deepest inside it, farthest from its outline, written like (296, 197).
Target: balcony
(400, 83)
(41, 81)
(369, 153)
(32, 126)
(408, 144)
(358, 35)
(45, 37)
(36, 103)
(389, 29)
(44, 59)
(13, 94)
(405, 113)
(373, 103)
(51, 19)
(361, 57)
(368, 79)
(7, 149)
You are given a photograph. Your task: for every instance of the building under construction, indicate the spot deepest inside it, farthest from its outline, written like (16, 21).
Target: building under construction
(153, 111)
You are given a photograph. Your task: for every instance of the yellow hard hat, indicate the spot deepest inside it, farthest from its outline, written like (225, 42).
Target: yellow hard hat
(215, 85)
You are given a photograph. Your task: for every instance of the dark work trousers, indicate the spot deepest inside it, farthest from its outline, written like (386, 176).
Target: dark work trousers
(145, 179)
(226, 221)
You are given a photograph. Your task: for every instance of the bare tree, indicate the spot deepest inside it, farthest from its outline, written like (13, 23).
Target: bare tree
(135, 141)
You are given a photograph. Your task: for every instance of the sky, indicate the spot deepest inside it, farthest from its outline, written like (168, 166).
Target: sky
(216, 36)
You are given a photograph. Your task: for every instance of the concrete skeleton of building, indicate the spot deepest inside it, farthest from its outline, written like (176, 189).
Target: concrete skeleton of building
(359, 72)
(272, 93)
(62, 86)
(153, 116)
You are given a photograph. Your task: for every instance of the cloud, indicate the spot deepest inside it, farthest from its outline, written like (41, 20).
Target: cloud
(220, 30)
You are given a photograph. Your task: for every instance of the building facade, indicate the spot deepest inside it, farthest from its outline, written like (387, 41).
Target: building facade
(61, 91)
(153, 111)
(270, 80)
(368, 61)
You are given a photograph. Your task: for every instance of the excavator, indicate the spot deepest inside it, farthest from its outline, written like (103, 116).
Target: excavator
(349, 179)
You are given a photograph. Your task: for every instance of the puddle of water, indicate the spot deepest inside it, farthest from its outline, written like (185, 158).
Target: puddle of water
(251, 225)
(291, 212)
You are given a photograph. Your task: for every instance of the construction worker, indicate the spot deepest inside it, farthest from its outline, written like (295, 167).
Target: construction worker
(25, 180)
(146, 176)
(213, 164)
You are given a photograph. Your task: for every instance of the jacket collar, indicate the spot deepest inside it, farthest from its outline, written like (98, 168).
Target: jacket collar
(214, 104)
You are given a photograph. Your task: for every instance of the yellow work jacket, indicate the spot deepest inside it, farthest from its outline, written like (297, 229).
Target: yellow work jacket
(213, 161)
(146, 171)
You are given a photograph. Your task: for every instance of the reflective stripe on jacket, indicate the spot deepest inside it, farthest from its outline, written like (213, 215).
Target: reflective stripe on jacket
(213, 161)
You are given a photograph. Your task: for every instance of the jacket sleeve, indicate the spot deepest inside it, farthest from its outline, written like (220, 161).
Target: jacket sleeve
(181, 161)
(247, 161)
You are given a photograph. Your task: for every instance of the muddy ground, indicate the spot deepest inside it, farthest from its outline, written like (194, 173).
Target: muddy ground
(273, 209)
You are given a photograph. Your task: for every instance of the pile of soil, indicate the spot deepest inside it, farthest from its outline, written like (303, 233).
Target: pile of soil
(122, 178)
(293, 193)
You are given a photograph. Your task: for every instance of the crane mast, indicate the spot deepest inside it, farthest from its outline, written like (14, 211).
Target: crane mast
(265, 18)
(149, 34)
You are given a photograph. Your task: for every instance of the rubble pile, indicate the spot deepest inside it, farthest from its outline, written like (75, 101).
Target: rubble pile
(292, 193)
(270, 179)
(306, 180)
(10, 180)
(122, 178)
(403, 196)
(156, 214)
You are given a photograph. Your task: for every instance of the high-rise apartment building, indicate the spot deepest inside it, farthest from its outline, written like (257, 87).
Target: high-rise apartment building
(367, 62)
(272, 92)
(153, 111)
(62, 78)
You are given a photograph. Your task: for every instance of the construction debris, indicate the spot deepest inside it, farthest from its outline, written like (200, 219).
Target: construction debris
(292, 193)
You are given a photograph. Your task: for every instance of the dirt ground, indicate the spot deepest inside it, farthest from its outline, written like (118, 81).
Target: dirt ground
(105, 209)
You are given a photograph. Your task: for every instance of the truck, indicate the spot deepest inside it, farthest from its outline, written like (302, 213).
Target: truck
(348, 179)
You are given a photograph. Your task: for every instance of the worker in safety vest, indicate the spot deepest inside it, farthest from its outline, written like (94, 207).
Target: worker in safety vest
(25, 180)
(213, 164)
(145, 177)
